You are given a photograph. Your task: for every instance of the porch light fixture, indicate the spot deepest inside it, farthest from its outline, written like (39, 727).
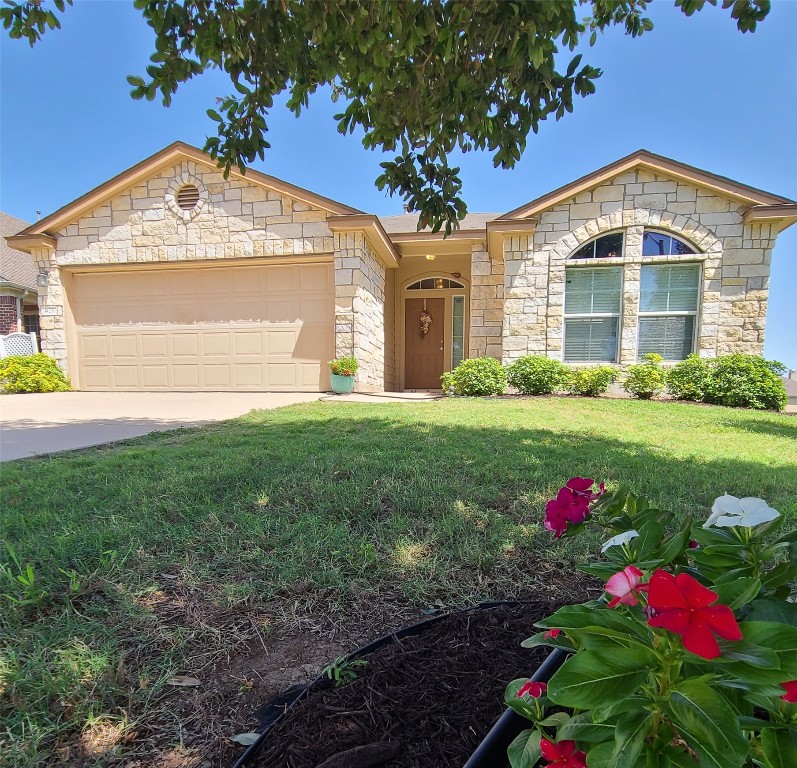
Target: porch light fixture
(430, 257)
(42, 278)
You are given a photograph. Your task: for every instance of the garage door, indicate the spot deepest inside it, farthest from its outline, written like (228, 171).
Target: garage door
(248, 327)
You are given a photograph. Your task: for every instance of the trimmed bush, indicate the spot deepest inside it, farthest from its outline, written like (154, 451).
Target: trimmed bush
(538, 375)
(745, 381)
(476, 378)
(647, 379)
(31, 373)
(687, 379)
(591, 382)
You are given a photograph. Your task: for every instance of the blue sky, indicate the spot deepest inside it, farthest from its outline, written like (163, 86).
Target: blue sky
(694, 89)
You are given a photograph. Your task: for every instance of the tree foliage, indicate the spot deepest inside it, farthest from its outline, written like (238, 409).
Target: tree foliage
(420, 78)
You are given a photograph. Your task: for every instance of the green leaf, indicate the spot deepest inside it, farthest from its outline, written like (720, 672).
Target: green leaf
(773, 610)
(629, 738)
(591, 678)
(708, 723)
(781, 638)
(581, 728)
(738, 592)
(779, 747)
(601, 756)
(524, 751)
(595, 616)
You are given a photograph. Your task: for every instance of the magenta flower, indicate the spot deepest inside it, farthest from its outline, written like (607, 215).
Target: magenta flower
(563, 754)
(533, 689)
(624, 586)
(552, 634)
(571, 505)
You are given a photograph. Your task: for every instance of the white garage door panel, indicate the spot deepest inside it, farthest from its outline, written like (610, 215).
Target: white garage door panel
(249, 327)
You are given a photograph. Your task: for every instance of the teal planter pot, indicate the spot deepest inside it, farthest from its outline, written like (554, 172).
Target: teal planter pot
(342, 385)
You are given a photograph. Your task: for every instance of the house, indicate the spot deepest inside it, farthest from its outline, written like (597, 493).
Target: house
(790, 382)
(19, 308)
(169, 277)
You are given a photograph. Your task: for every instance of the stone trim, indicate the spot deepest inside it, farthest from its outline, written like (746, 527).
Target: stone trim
(486, 303)
(171, 196)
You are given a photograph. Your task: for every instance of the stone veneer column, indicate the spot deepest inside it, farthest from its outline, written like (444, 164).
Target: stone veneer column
(360, 308)
(632, 275)
(52, 321)
(486, 304)
(525, 289)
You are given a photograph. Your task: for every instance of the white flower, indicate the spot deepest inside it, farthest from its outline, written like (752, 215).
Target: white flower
(728, 511)
(620, 538)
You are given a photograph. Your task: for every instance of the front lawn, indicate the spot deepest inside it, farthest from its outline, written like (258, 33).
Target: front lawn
(239, 552)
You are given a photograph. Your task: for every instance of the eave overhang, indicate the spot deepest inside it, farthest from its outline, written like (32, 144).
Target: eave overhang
(374, 232)
(500, 228)
(782, 216)
(28, 243)
(436, 243)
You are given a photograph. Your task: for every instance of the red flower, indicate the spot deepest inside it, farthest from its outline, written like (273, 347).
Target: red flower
(684, 606)
(533, 689)
(562, 754)
(551, 634)
(624, 586)
(791, 691)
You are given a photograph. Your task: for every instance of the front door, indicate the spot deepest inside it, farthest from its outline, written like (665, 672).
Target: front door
(424, 351)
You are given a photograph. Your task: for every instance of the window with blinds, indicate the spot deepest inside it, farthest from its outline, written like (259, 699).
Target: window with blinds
(668, 305)
(593, 300)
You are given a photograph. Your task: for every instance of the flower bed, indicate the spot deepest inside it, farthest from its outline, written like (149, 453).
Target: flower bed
(432, 695)
(691, 663)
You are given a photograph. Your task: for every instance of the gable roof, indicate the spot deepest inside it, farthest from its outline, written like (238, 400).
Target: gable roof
(656, 164)
(16, 267)
(174, 153)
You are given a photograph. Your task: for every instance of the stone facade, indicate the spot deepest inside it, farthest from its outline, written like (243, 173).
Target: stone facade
(486, 303)
(735, 262)
(234, 219)
(360, 308)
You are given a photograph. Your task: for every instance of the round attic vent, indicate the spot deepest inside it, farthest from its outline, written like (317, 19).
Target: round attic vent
(187, 197)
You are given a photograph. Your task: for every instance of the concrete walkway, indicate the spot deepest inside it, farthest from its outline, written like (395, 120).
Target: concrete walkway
(31, 425)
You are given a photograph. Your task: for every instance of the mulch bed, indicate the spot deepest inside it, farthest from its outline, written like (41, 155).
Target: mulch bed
(436, 694)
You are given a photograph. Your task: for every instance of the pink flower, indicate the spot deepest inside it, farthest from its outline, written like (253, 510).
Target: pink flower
(562, 754)
(791, 691)
(533, 689)
(693, 544)
(624, 585)
(551, 634)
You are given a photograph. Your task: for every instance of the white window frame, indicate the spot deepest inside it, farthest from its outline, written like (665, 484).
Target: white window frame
(464, 308)
(666, 256)
(597, 316)
(676, 313)
(594, 243)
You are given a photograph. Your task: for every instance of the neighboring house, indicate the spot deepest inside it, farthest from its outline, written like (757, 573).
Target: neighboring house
(169, 277)
(19, 308)
(790, 383)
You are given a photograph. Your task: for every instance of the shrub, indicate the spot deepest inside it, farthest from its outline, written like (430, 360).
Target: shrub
(31, 373)
(477, 377)
(646, 379)
(745, 381)
(538, 375)
(344, 366)
(591, 381)
(686, 380)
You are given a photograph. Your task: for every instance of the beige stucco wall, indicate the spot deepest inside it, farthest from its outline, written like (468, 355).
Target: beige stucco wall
(735, 260)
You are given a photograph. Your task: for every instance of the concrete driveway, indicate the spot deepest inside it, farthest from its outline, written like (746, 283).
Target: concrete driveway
(31, 425)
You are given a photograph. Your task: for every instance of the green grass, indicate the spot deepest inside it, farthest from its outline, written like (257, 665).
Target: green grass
(318, 508)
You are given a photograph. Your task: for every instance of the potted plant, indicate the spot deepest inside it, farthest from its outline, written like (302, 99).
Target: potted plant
(689, 661)
(344, 374)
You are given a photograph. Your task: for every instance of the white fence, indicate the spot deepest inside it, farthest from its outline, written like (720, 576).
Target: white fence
(18, 344)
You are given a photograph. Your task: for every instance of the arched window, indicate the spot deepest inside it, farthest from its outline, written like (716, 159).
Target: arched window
(660, 244)
(434, 283)
(604, 247)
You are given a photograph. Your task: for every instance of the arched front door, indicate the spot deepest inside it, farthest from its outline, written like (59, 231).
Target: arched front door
(434, 330)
